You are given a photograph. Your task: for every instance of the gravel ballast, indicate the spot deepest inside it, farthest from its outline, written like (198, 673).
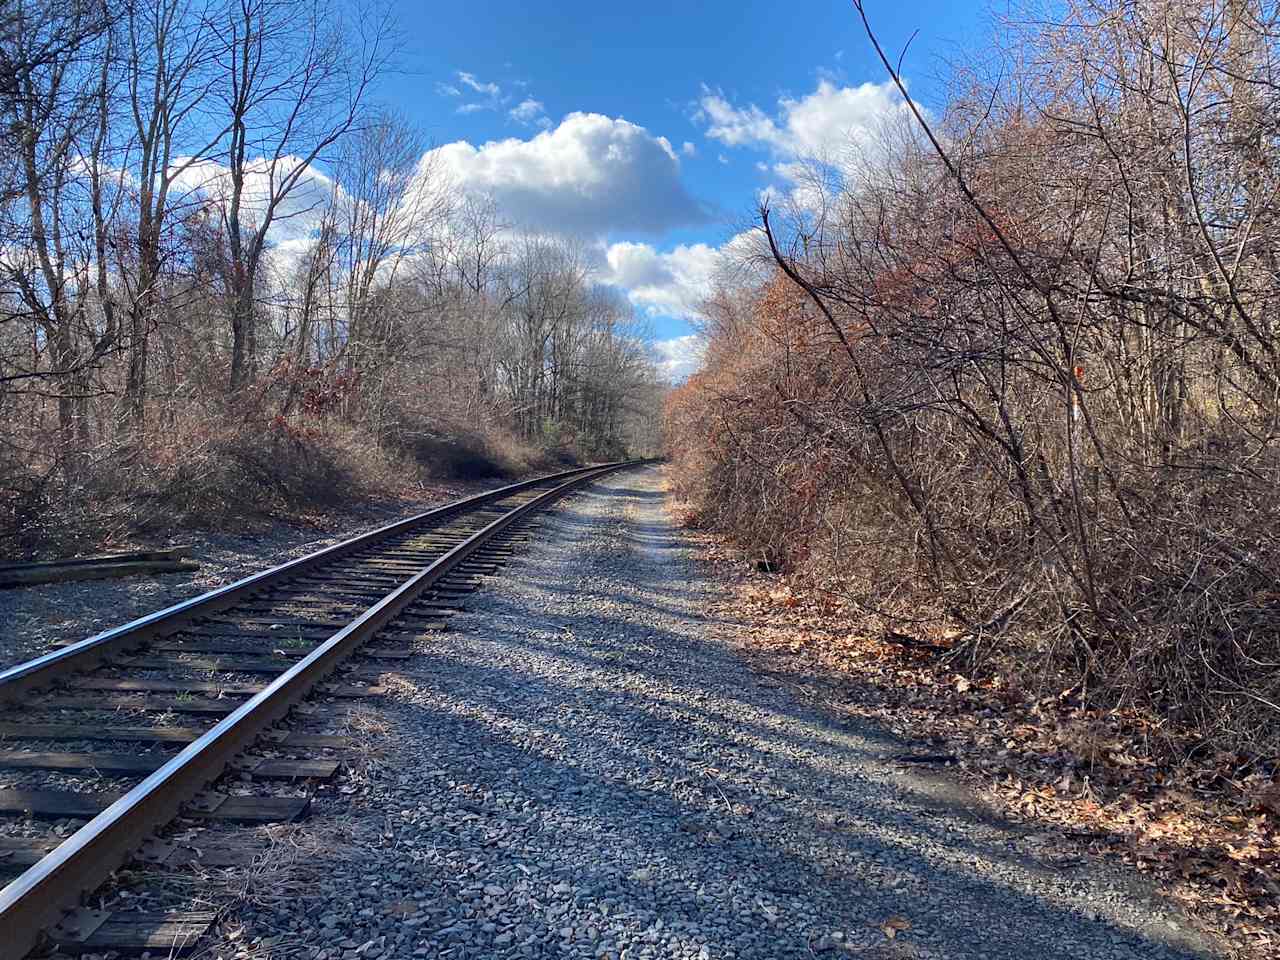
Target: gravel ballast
(579, 768)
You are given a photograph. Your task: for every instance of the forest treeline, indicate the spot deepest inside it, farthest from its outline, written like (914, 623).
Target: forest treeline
(229, 281)
(1009, 382)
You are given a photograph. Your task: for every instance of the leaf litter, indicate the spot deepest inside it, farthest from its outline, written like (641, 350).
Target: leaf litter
(1103, 783)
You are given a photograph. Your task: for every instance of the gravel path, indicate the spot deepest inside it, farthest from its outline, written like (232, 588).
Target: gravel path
(579, 769)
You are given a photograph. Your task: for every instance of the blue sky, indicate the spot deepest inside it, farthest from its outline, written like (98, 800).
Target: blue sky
(648, 130)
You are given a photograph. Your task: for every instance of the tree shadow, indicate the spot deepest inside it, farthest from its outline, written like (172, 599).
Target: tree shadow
(696, 807)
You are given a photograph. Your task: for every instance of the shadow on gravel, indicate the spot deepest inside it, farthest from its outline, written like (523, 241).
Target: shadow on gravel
(681, 798)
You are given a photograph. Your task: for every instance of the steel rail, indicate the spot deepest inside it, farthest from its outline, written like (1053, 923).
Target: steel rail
(93, 650)
(37, 898)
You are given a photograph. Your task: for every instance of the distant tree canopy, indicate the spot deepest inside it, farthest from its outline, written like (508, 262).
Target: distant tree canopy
(207, 226)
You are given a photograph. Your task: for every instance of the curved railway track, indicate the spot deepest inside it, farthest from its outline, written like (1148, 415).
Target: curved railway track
(201, 686)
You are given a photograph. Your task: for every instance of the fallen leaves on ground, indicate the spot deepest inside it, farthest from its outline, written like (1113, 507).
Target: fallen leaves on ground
(1113, 783)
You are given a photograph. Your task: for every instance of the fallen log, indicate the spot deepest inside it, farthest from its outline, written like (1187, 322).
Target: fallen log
(169, 560)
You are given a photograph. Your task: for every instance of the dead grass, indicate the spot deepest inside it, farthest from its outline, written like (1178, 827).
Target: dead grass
(211, 468)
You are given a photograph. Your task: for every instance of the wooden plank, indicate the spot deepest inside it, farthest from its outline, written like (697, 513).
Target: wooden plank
(28, 845)
(217, 854)
(422, 622)
(170, 933)
(307, 741)
(312, 591)
(201, 686)
(106, 571)
(291, 769)
(71, 731)
(262, 642)
(60, 804)
(195, 706)
(385, 653)
(306, 605)
(173, 686)
(280, 623)
(252, 809)
(421, 552)
(367, 673)
(383, 585)
(259, 635)
(160, 553)
(264, 665)
(286, 654)
(345, 577)
(410, 634)
(223, 645)
(19, 853)
(101, 762)
(351, 692)
(55, 804)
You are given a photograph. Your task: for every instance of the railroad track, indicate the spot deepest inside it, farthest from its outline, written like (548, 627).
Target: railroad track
(157, 710)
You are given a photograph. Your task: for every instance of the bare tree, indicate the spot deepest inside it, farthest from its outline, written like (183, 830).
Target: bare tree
(295, 77)
(171, 51)
(392, 208)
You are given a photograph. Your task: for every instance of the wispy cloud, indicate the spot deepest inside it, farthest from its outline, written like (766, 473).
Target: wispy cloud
(530, 112)
(488, 89)
(467, 86)
(674, 283)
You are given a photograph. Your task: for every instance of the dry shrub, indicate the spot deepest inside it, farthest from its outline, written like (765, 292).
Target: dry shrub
(211, 466)
(447, 449)
(206, 473)
(453, 451)
(1040, 427)
(199, 471)
(1162, 599)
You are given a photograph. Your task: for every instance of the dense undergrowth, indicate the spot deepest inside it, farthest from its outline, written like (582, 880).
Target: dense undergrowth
(1010, 391)
(209, 472)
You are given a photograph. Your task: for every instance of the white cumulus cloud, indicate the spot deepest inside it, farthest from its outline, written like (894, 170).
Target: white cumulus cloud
(592, 175)
(673, 283)
(295, 215)
(679, 357)
(822, 124)
(676, 282)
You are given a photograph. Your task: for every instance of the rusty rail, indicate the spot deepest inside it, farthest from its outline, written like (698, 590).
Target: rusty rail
(38, 897)
(93, 650)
